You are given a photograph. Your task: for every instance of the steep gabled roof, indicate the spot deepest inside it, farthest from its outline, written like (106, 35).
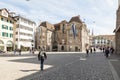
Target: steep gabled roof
(57, 25)
(44, 24)
(47, 25)
(4, 9)
(76, 19)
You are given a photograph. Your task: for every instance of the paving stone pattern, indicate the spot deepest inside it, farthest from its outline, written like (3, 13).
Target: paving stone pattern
(95, 67)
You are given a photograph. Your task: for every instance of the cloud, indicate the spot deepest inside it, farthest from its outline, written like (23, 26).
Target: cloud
(110, 2)
(103, 12)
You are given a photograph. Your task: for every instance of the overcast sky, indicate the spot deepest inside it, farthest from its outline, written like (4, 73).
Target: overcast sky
(99, 15)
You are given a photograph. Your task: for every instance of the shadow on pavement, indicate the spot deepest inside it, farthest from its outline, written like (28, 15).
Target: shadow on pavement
(29, 70)
(56, 60)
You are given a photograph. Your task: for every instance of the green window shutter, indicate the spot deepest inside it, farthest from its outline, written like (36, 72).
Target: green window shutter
(2, 26)
(7, 27)
(2, 33)
(7, 34)
(11, 35)
(10, 28)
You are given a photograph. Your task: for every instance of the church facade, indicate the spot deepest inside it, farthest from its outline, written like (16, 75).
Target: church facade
(65, 36)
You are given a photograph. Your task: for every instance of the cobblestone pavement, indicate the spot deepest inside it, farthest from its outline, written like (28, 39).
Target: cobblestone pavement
(93, 67)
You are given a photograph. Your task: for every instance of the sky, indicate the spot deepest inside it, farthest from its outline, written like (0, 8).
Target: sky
(99, 15)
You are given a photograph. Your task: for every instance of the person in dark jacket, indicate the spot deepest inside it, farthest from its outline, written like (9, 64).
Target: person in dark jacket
(90, 50)
(107, 52)
(87, 52)
(94, 50)
(112, 50)
(19, 51)
(41, 57)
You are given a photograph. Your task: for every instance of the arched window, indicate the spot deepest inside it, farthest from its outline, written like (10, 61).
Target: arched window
(9, 43)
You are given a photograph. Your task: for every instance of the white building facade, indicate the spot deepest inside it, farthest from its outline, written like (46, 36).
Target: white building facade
(24, 33)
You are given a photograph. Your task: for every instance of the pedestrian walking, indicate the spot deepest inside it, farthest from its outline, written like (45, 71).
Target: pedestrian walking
(30, 51)
(14, 51)
(103, 49)
(94, 50)
(112, 50)
(19, 51)
(87, 52)
(90, 50)
(107, 52)
(41, 57)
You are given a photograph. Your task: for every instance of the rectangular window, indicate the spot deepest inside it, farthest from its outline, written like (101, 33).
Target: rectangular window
(3, 34)
(2, 26)
(6, 34)
(2, 19)
(11, 28)
(10, 21)
(11, 35)
(7, 20)
(7, 27)
(16, 32)
(16, 39)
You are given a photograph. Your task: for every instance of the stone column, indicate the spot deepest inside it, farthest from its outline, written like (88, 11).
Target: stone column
(5, 47)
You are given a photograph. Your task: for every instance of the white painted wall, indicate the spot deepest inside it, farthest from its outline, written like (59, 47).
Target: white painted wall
(23, 43)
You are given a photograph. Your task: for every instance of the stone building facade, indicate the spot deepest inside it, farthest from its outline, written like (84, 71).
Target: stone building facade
(44, 36)
(63, 36)
(117, 30)
(71, 36)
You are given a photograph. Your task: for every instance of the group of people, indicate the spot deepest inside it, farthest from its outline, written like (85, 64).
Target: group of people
(90, 50)
(108, 51)
(17, 50)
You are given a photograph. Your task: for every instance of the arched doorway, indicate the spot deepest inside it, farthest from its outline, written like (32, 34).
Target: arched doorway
(62, 48)
(1, 45)
(76, 48)
(55, 46)
(9, 46)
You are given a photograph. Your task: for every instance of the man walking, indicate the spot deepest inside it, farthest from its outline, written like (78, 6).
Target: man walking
(107, 52)
(41, 57)
(87, 52)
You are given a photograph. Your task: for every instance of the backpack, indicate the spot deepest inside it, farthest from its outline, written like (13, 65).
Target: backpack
(42, 55)
(39, 56)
